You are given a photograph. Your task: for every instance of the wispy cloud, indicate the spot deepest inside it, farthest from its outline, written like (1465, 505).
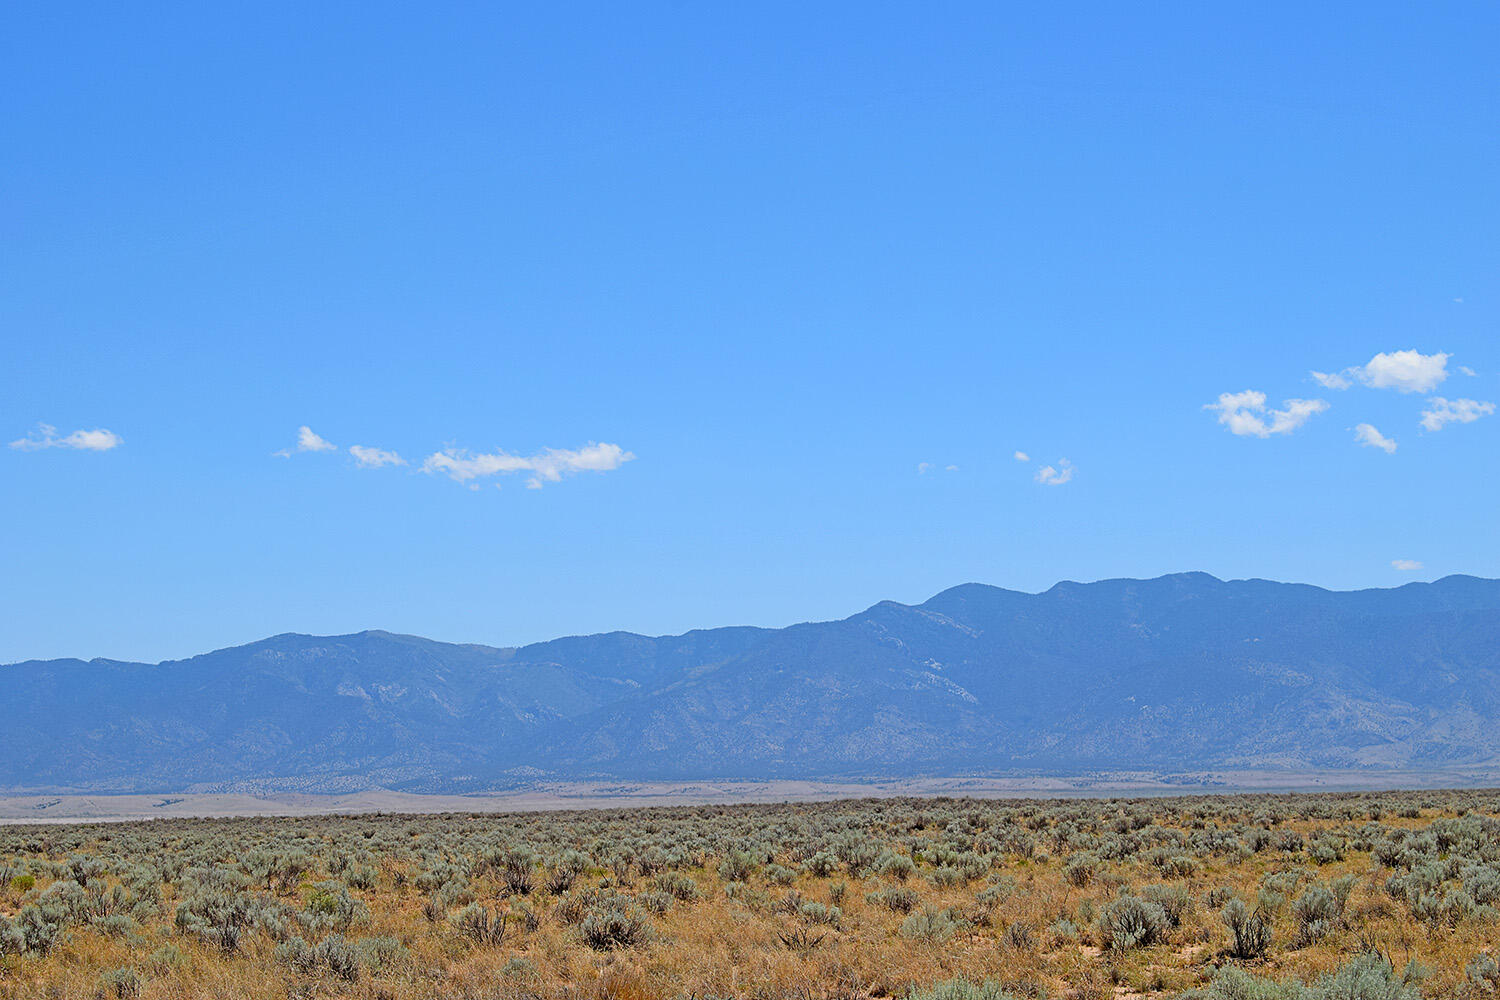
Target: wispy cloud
(1440, 412)
(374, 458)
(1404, 371)
(46, 436)
(1049, 475)
(308, 440)
(1367, 435)
(548, 466)
(1021, 456)
(923, 468)
(1406, 565)
(1331, 380)
(1245, 413)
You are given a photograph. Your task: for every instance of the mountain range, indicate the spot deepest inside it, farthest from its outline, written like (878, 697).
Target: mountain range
(1176, 674)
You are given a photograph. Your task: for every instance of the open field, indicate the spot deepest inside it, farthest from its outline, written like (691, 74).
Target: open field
(1393, 893)
(70, 808)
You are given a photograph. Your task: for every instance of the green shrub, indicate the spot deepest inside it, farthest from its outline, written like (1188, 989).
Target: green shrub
(897, 866)
(897, 899)
(381, 953)
(779, 875)
(1483, 971)
(477, 923)
(166, 958)
(12, 939)
(565, 871)
(124, 983)
(1366, 977)
(39, 928)
(655, 902)
(329, 906)
(617, 923)
(297, 954)
(334, 954)
(677, 885)
(821, 864)
(1316, 912)
(519, 968)
(1175, 901)
(1482, 882)
(1252, 932)
(817, 913)
(736, 866)
(517, 868)
(962, 989)
(363, 877)
(932, 926)
(1080, 870)
(1131, 922)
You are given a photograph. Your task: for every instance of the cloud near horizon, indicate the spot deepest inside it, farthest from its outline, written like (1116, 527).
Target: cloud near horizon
(46, 436)
(1245, 413)
(547, 466)
(1406, 565)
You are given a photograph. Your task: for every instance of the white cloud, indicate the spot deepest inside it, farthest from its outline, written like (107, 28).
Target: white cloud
(1021, 456)
(45, 436)
(1406, 565)
(1404, 371)
(1442, 411)
(547, 466)
(308, 440)
(1245, 413)
(374, 458)
(1466, 370)
(1367, 435)
(1331, 380)
(923, 468)
(1050, 476)
(950, 468)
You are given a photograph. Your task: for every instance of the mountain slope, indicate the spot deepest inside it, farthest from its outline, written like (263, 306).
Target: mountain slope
(1178, 673)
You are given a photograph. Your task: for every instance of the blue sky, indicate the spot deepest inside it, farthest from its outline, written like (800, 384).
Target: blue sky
(734, 288)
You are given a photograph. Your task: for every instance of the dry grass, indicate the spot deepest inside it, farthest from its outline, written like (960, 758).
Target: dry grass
(994, 879)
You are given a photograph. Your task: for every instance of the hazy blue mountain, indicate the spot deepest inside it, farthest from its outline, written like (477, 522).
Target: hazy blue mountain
(1179, 673)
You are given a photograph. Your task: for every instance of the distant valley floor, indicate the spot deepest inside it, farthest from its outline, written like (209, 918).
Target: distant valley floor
(75, 808)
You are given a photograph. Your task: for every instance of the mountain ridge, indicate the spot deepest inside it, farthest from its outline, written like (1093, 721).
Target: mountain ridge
(1180, 672)
(1419, 584)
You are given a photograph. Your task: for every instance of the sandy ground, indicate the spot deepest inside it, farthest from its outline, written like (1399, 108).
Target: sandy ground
(85, 808)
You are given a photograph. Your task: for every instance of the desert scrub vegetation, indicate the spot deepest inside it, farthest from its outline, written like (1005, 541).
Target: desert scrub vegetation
(1389, 896)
